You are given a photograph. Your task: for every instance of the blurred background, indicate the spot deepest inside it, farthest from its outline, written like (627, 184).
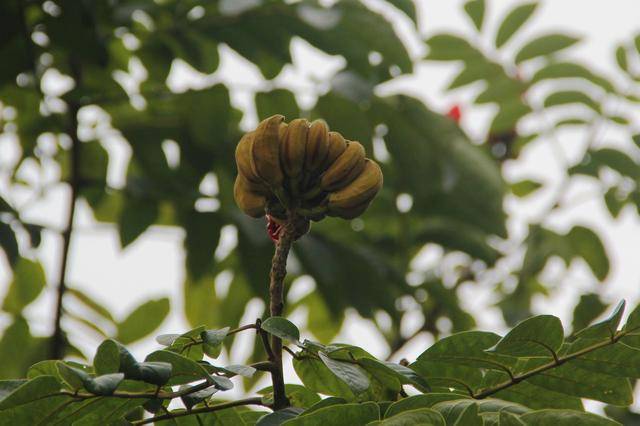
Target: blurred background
(508, 133)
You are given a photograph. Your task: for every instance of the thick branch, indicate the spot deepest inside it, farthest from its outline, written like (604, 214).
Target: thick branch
(217, 407)
(276, 306)
(58, 339)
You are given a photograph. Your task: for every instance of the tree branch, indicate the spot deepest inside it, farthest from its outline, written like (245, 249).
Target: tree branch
(276, 306)
(217, 407)
(558, 361)
(58, 340)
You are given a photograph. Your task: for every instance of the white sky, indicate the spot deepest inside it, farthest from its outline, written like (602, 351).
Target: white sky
(153, 265)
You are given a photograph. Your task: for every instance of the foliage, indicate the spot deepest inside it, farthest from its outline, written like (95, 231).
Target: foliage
(455, 186)
(532, 375)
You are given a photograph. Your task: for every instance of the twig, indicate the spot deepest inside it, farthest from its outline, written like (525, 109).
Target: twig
(58, 339)
(217, 407)
(276, 306)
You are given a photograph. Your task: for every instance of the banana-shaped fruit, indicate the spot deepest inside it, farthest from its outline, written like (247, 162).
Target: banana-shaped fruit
(348, 213)
(337, 145)
(317, 147)
(265, 151)
(360, 191)
(347, 166)
(251, 203)
(293, 146)
(243, 158)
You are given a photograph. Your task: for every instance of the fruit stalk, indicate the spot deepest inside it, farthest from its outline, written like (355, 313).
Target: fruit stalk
(276, 306)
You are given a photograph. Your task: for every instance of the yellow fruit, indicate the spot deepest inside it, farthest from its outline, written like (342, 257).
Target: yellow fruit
(250, 203)
(348, 213)
(265, 151)
(338, 173)
(360, 191)
(317, 147)
(243, 158)
(292, 148)
(337, 145)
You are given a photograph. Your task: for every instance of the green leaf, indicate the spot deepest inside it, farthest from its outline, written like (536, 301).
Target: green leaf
(9, 243)
(279, 417)
(167, 339)
(299, 396)
(621, 58)
(508, 116)
(32, 390)
(136, 216)
(156, 373)
(539, 336)
(459, 412)
(513, 21)
(565, 418)
(212, 341)
(107, 358)
(570, 97)
(351, 374)
(282, 328)
(194, 398)
(421, 416)
(426, 400)
(318, 378)
(347, 414)
(27, 284)
(407, 7)
(184, 370)
(74, 377)
(570, 70)
(544, 45)
(586, 244)
(202, 237)
(240, 370)
(607, 157)
(525, 187)
(450, 47)
(605, 328)
(475, 11)
(475, 70)
(90, 303)
(510, 419)
(104, 385)
(277, 101)
(589, 307)
(143, 320)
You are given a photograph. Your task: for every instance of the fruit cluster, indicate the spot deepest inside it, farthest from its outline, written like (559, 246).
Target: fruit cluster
(304, 168)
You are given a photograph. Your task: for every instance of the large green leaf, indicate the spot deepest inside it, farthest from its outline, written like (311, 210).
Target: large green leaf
(27, 284)
(475, 11)
(515, 19)
(353, 414)
(143, 320)
(545, 45)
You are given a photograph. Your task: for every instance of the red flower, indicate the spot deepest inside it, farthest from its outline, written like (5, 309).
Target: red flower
(273, 229)
(454, 113)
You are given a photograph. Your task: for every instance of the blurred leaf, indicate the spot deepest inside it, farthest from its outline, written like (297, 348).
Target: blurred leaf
(143, 320)
(27, 284)
(570, 70)
(525, 187)
(277, 101)
(606, 157)
(512, 22)
(588, 308)
(508, 116)
(475, 11)
(588, 245)
(571, 97)
(19, 349)
(621, 58)
(9, 243)
(545, 45)
(282, 328)
(90, 303)
(613, 202)
(450, 47)
(201, 241)
(136, 216)
(107, 358)
(605, 328)
(407, 7)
